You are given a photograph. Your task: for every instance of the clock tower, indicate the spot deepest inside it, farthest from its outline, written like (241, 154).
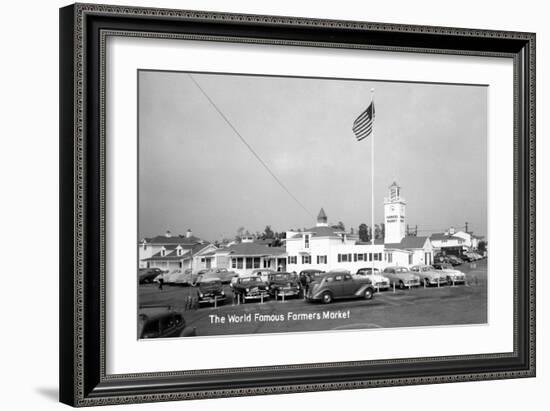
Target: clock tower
(394, 215)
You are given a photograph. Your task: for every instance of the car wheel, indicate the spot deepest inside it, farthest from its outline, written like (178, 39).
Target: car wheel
(327, 298)
(401, 285)
(368, 294)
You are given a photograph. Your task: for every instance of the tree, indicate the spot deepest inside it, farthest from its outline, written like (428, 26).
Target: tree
(340, 226)
(364, 234)
(268, 233)
(482, 246)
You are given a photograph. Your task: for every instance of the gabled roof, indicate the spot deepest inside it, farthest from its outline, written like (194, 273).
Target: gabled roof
(172, 255)
(408, 243)
(176, 239)
(253, 249)
(324, 231)
(443, 236)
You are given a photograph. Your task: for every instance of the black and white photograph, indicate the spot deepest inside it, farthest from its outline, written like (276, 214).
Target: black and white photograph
(273, 204)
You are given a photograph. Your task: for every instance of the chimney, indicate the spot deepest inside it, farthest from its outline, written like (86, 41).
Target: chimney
(168, 234)
(189, 233)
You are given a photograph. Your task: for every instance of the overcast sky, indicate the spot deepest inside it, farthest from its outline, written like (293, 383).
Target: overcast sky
(194, 172)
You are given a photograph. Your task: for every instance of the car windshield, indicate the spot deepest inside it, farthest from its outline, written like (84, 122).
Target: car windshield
(281, 277)
(401, 270)
(250, 280)
(211, 284)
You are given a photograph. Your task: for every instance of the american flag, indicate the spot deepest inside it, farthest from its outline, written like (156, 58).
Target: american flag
(362, 126)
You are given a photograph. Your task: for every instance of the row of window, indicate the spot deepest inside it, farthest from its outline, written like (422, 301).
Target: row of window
(343, 258)
(306, 259)
(245, 262)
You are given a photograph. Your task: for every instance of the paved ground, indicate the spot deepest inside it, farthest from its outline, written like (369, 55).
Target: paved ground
(462, 304)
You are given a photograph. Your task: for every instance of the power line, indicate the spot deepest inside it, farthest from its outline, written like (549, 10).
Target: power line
(262, 162)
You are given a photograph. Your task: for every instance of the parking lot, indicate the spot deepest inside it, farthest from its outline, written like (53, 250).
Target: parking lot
(445, 305)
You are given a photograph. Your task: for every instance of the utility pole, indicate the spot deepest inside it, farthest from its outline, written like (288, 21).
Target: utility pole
(466, 224)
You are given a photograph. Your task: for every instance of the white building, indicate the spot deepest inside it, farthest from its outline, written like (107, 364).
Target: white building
(244, 258)
(327, 248)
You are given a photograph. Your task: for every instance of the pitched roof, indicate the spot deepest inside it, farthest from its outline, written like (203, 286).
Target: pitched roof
(324, 231)
(408, 243)
(175, 239)
(443, 236)
(171, 253)
(253, 249)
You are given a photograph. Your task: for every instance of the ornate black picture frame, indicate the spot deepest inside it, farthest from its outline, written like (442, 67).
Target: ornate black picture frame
(83, 30)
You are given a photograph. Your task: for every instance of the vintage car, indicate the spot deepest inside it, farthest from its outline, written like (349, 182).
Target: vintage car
(338, 285)
(210, 291)
(454, 260)
(148, 275)
(263, 273)
(250, 288)
(379, 282)
(401, 277)
(429, 275)
(283, 285)
(310, 275)
(453, 275)
(223, 274)
(162, 322)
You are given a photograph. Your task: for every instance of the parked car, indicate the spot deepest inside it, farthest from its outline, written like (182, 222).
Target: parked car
(148, 275)
(337, 285)
(210, 291)
(454, 260)
(162, 322)
(223, 274)
(308, 276)
(429, 275)
(379, 282)
(401, 277)
(453, 276)
(250, 288)
(263, 273)
(283, 285)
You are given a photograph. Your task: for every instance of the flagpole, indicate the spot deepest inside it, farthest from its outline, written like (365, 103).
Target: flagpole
(372, 180)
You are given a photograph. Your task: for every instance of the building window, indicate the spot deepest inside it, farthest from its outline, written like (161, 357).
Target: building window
(306, 241)
(203, 260)
(181, 264)
(339, 258)
(370, 256)
(233, 263)
(360, 257)
(240, 262)
(410, 259)
(144, 247)
(248, 262)
(267, 263)
(376, 256)
(306, 259)
(321, 259)
(293, 259)
(355, 257)
(390, 257)
(256, 262)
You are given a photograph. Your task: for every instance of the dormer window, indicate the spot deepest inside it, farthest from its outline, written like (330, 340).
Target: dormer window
(179, 251)
(163, 252)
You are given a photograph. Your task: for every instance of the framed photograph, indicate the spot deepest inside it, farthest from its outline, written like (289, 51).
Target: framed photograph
(262, 204)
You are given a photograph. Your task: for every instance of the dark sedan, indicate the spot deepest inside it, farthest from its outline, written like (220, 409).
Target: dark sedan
(250, 288)
(337, 285)
(162, 322)
(283, 285)
(210, 291)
